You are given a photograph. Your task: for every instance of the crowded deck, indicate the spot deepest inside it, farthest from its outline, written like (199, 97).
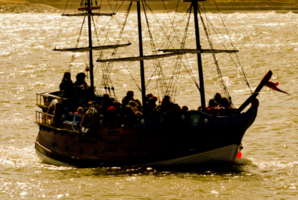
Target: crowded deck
(77, 106)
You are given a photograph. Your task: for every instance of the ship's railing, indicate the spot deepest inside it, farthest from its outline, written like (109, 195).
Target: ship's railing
(44, 99)
(44, 118)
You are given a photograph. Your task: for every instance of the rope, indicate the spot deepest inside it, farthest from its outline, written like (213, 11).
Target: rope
(176, 71)
(219, 33)
(161, 82)
(168, 37)
(107, 68)
(222, 83)
(59, 30)
(244, 75)
(78, 40)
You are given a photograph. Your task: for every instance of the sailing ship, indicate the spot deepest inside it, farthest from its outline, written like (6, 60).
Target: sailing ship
(187, 138)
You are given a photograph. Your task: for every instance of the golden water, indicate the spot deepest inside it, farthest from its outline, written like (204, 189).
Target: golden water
(268, 168)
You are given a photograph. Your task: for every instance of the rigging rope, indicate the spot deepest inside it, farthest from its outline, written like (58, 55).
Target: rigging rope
(59, 30)
(222, 83)
(78, 40)
(170, 43)
(107, 67)
(160, 82)
(243, 73)
(219, 33)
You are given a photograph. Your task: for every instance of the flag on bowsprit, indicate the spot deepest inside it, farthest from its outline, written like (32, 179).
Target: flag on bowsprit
(274, 87)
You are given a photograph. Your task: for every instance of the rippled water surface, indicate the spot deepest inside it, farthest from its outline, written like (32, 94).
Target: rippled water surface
(268, 168)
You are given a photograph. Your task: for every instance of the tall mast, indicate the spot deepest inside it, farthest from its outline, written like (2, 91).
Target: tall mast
(90, 46)
(141, 54)
(201, 78)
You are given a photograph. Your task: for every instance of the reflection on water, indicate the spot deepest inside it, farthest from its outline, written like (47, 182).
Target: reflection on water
(268, 168)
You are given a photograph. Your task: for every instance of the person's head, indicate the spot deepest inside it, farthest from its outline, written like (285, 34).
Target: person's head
(80, 110)
(81, 76)
(106, 97)
(116, 104)
(132, 103)
(67, 76)
(148, 96)
(217, 98)
(176, 107)
(211, 103)
(130, 94)
(151, 102)
(166, 99)
(138, 101)
(152, 99)
(224, 102)
(184, 108)
(89, 103)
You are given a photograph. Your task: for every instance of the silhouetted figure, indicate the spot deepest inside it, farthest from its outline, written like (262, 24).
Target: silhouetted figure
(127, 98)
(80, 81)
(105, 104)
(148, 96)
(89, 119)
(139, 105)
(66, 86)
(80, 90)
(131, 114)
(217, 98)
(66, 92)
(224, 103)
(176, 109)
(151, 104)
(184, 109)
(211, 104)
(165, 107)
(79, 111)
(112, 117)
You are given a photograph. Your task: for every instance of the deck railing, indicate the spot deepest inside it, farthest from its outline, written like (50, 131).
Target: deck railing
(44, 99)
(41, 99)
(44, 118)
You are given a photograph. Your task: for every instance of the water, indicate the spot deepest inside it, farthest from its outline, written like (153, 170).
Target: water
(268, 168)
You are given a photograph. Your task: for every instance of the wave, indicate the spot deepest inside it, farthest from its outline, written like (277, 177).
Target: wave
(27, 8)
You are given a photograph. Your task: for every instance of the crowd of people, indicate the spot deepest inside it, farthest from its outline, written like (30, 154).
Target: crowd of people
(77, 98)
(218, 103)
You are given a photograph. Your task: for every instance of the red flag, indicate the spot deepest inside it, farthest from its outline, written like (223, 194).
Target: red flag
(273, 86)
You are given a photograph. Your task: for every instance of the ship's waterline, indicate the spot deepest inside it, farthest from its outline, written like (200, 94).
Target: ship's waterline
(268, 168)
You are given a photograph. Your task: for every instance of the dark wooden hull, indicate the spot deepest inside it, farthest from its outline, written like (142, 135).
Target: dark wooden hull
(174, 141)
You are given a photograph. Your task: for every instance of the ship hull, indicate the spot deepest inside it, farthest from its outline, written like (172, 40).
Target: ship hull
(169, 143)
(224, 154)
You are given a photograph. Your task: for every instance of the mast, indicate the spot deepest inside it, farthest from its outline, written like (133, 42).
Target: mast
(90, 46)
(141, 54)
(201, 78)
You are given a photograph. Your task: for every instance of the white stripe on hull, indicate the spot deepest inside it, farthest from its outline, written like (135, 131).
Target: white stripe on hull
(223, 154)
(48, 160)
